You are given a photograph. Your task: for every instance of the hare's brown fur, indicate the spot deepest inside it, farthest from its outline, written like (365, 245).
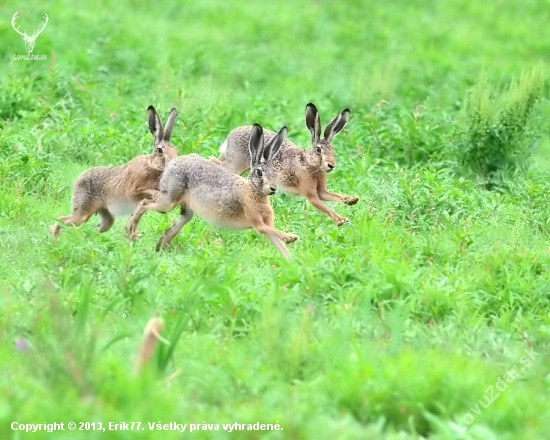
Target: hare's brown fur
(219, 196)
(114, 191)
(297, 171)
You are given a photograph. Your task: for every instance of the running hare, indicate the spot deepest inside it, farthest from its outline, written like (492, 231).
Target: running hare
(113, 191)
(219, 196)
(297, 171)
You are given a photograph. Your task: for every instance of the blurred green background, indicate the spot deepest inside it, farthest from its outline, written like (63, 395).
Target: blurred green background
(392, 326)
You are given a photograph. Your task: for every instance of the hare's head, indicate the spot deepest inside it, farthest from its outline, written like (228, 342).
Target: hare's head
(322, 155)
(162, 148)
(260, 175)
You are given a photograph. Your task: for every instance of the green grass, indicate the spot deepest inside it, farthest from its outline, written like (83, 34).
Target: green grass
(390, 327)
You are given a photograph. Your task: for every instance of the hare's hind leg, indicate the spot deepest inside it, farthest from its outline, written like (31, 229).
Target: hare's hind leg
(186, 215)
(106, 222)
(161, 203)
(76, 218)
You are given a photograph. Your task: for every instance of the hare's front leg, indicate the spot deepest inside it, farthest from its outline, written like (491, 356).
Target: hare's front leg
(314, 199)
(186, 215)
(107, 220)
(161, 203)
(147, 193)
(268, 230)
(266, 227)
(279, 245)
(327, 196)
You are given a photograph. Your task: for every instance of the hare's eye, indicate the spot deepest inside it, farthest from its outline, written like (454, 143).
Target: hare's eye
(159, 151)
(259, 173)
(318, 150)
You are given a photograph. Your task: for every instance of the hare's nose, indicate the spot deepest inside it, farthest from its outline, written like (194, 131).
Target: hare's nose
(273, 189)
(331, 166)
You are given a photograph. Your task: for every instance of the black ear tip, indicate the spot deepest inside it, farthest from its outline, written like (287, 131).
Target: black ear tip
(311, 105)
(346, 110)
(258, 127)
(174, 109)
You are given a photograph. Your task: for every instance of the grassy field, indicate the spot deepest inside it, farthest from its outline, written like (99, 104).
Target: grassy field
(426, 316)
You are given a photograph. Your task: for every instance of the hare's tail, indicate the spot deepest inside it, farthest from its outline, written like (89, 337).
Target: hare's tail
(220, 160)
(223, 147)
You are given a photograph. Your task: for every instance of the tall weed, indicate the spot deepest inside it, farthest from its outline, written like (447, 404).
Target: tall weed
(497, 127)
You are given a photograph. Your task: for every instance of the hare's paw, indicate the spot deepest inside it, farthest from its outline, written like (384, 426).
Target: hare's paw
(351, 200)
(340, 220)
(131, 232)
(289, 238)
(161, 244)
(55, 229)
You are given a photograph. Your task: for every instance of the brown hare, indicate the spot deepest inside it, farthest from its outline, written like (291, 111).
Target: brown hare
(219, 196)
(114, 191)
(297, 171)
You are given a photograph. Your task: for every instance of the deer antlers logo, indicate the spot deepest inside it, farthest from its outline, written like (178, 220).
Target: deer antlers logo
(29, 40)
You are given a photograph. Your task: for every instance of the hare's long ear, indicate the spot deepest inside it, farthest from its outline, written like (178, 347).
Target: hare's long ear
(170, 124)
(335, 126)
(272, 147)
(313, 123)
(155, 126)
(256, 145)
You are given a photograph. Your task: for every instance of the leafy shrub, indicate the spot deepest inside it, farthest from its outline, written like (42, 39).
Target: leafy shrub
(403, 135)
(496, 129)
